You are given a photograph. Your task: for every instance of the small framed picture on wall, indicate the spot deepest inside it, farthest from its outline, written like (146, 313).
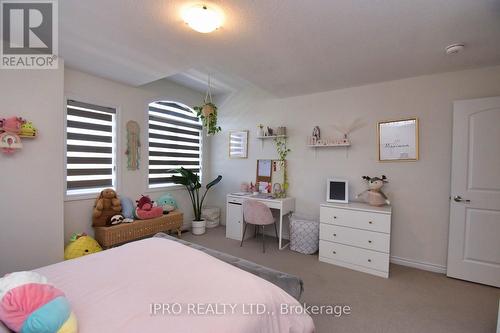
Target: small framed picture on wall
(238, 144)
(398, 140)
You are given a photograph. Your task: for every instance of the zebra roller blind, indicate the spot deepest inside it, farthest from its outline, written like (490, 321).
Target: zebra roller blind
(175, 140)
(90, 148)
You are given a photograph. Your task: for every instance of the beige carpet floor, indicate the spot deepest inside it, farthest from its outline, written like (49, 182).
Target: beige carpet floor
(411, 300)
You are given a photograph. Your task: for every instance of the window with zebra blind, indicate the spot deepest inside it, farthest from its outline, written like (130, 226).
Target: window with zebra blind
(175, 140)
(90, 148)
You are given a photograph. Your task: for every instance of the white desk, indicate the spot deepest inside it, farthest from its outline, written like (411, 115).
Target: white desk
(234, 214)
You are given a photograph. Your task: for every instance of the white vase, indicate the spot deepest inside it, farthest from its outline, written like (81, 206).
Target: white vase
(260, 132)
(198, 227)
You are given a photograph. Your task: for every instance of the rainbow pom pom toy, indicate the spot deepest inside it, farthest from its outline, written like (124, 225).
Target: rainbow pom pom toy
(29, 304)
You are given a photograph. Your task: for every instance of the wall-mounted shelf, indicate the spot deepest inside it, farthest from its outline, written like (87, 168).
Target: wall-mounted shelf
(271, 137)
(330, 145)
(264, 138)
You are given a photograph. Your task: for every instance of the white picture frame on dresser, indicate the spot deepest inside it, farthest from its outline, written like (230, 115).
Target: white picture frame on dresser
(337, 190)
(356, 236)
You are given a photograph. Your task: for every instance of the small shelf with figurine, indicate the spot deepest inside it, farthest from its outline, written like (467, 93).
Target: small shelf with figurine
(266, 132)
(316, 141)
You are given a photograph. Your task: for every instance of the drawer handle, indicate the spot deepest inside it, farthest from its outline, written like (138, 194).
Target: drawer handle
(334, 217)
(370, 222)
(370, 241)
(334, 235)
(369, 260)
(334, 252)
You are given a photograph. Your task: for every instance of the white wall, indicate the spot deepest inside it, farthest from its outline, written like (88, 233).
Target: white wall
(131, 104)
(419, 190)
(31, 196)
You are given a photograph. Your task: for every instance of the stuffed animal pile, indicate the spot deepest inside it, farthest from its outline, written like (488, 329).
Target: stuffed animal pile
(106, 206)
(374, 195)
(29, 304)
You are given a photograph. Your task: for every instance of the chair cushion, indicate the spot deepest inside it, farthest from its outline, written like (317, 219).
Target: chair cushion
(255, 212)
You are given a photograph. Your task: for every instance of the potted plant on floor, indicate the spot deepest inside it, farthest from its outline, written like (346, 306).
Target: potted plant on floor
(191, 181)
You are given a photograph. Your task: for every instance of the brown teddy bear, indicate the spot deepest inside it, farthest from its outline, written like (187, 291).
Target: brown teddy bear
(106, 206)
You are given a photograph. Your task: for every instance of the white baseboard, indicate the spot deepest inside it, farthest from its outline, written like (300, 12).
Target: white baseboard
(418, 264)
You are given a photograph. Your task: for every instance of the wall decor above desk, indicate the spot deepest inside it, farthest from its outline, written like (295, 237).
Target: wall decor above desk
(238, 144)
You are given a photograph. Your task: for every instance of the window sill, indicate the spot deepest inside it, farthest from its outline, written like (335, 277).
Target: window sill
(80, 197)
(165, 189)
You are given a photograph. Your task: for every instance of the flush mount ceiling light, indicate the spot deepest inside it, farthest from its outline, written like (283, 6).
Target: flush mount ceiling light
(454, 48)
(202, 18)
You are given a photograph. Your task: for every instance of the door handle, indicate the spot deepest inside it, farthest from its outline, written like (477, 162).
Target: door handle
(458, 198)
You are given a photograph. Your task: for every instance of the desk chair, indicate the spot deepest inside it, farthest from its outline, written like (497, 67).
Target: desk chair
(258, 214)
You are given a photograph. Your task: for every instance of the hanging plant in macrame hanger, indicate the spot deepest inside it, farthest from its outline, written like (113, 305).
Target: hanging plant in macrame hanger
(208, 112)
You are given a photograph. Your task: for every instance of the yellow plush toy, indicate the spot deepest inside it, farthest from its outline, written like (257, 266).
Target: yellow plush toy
(81, 245)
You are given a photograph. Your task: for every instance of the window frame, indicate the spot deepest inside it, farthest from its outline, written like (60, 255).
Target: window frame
(171, 187)
(117, 158)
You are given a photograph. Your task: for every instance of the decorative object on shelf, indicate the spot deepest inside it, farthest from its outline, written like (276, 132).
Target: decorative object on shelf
(28, 130)
(81, 245)
(168, 202)
(337, 190)
(269, 132)
(12, 124)
(133, 144)
(398, 140)
(281, 131)
(12, 130)
(238, 144)
(316, 135)
(10, 142)
(328, 142)
(106, 205)
(374, 195)
(191, 181)
(208, 112)
(260, 131)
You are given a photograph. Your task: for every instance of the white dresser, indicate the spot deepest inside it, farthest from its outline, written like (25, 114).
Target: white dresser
(356, 236)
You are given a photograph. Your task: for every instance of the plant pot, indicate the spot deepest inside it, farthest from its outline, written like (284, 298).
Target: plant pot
(198, 227)
(207, 110)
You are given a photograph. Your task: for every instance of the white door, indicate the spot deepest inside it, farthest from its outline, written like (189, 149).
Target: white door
(474, 235)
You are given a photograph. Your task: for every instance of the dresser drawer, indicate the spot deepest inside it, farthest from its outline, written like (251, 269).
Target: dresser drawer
(360, 238)
(354, 255)
(356, 219)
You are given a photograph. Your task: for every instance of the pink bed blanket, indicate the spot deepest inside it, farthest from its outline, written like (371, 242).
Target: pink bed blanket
(157, 285)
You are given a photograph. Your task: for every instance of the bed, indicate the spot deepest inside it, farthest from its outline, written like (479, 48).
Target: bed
(159, 285)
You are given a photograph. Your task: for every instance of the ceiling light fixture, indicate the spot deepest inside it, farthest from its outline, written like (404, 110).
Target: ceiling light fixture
(202, 18)
(454, 48)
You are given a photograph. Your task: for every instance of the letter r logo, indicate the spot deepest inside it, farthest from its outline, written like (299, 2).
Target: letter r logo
(27, 27)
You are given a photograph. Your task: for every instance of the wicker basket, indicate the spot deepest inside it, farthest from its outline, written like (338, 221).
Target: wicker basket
(126, 232)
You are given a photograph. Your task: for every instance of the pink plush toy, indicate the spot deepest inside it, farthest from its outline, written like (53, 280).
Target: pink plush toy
(146, 209)
(12, 124)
